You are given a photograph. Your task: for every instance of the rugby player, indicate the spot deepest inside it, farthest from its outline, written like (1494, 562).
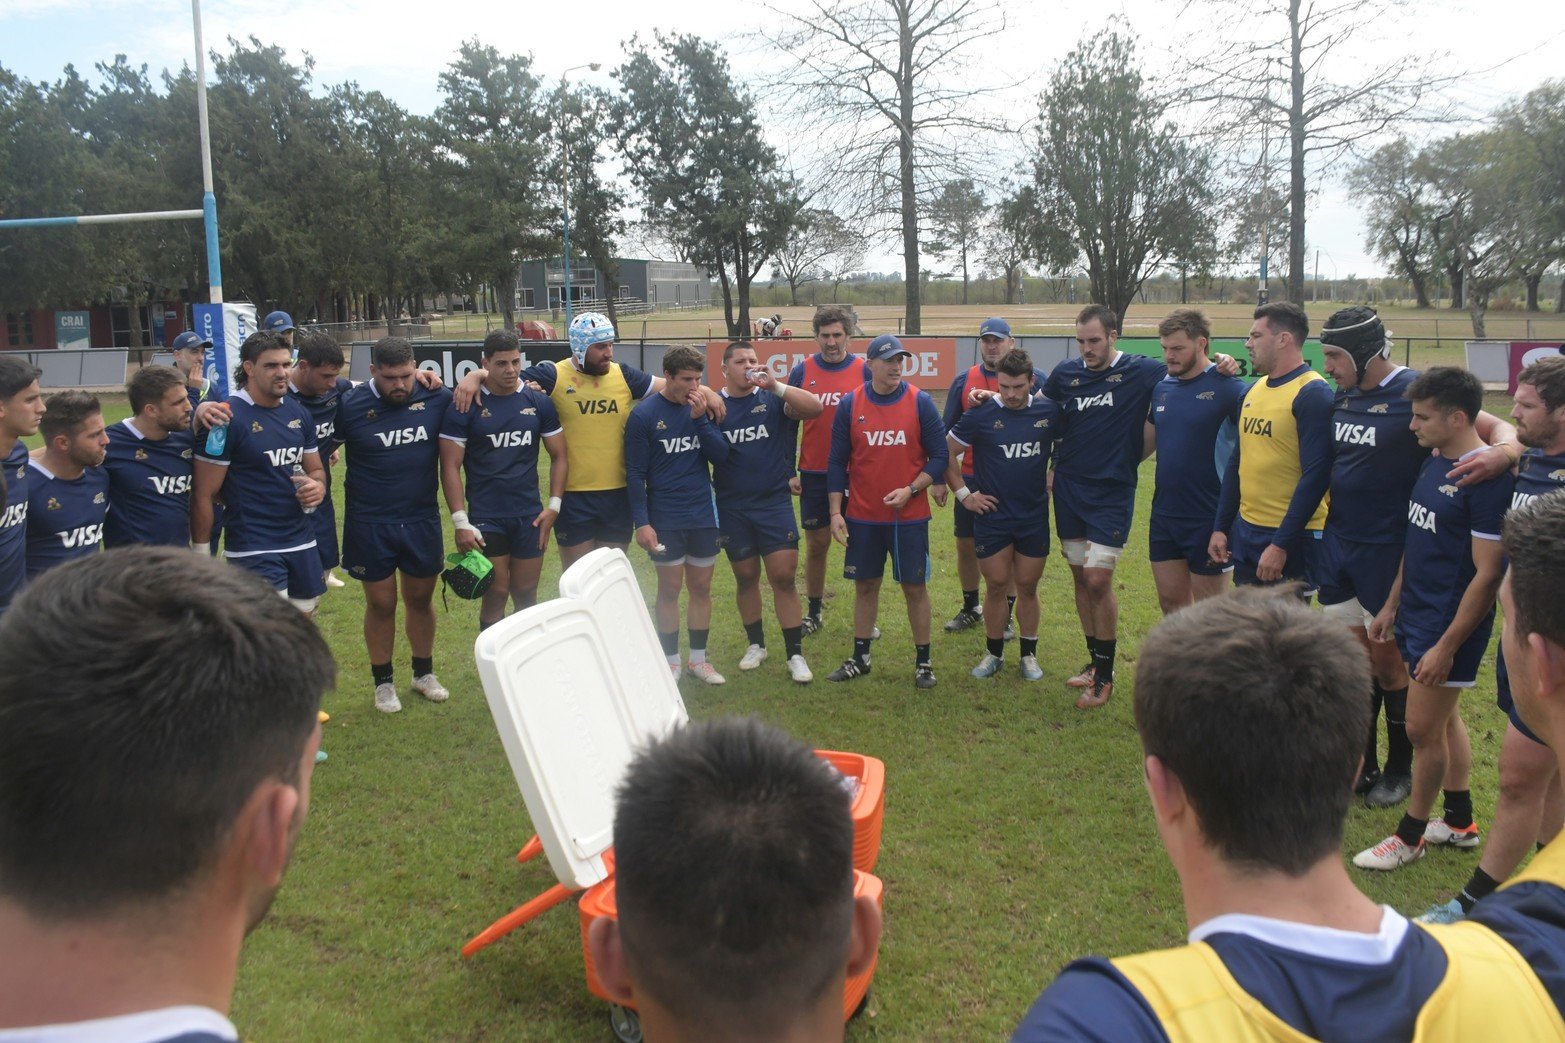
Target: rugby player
(151, 463)
(669, 440)
(317, 384)
(68, 489)
(1012, 438)
(21, 409)
(755, 516)
(1283, 945)
(1193, 425)
(1441, 609)
(887, 448)
(830, 373)
(390, 427)
(1277, 476)
(1530, 804)
(495, 444)
(266, 529)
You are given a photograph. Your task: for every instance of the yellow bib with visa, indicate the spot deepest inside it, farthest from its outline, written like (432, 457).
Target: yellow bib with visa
(593, 411)
(1269, 468)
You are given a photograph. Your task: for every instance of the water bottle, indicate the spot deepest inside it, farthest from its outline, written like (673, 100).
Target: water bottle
(216, 440)
(299, 478)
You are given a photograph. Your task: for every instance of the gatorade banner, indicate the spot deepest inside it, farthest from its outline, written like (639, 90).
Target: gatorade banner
(932, 366)
(226, 326)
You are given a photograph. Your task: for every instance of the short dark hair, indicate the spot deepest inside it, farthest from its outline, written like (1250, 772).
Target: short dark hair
(733, 853)
(1286, 316)
(1547, 375)
(733, 346)
(681, 359)
(1260, 707)
(149, 384)
(827, 314)
(1190, 321)
(1450, 388)
(1534, 538)
(1103, 314)
(1015, 363)
(391, 351)
(496, 341)
(68, 410)
(318, 348)
(254, 346)
(16, 375)
(123, 760)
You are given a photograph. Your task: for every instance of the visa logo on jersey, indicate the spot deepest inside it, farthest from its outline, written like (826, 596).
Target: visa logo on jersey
(885, 438)
(325, 430)
(747, 434)
(1022, 450)
(1421, 516)
(1353, 434)
(1105, 399)
(591, 406)
(402, 436)
(829, 399)
(16, 514)
(1258, 425)
(170, 485)
(285, 457)
(683, 444)
(511, 439)
(82, 536)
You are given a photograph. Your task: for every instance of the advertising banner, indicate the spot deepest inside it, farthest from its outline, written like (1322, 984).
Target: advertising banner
(226, 326)
(932, 366)
(1525, 352)
(70, 330)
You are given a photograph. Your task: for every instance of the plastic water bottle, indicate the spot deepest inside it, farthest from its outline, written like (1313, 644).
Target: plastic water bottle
(299, 478)
(216, 440)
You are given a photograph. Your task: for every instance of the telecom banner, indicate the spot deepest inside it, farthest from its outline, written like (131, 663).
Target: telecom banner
(226, 325)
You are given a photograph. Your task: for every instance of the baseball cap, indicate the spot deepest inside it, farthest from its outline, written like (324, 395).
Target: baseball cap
(277, 322)
(190, 340)
(884, 347)
(994, 327)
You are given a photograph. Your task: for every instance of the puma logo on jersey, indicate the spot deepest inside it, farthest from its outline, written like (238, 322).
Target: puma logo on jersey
(170, 485)
(886, 437)
(402, 436)
(591, 406)
(16, 514)
(82, 536)
(1105, 399)
(1020, 450)
(1421, 516)
(683, 444)
(1207, 395)
(1258, 425)
(748, 434)
(1380, 407)
(285, 457)
(1355, 434)
(511, 439)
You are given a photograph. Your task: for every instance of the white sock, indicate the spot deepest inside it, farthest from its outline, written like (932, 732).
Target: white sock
(697, 655)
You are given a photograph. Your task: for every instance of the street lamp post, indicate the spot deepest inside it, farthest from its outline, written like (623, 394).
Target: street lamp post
(565, 185)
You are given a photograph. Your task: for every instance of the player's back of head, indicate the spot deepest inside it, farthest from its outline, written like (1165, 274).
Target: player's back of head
(734, 875)
(319, 348)
(16, 375)
(148, 691)
(1259, 706)
(1450, 389)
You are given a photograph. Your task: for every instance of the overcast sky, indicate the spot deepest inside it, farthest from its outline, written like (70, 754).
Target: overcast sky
(400, 46)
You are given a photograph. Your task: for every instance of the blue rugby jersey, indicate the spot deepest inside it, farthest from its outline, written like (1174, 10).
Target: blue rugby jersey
(261, 512)
(1375, 463)
(1537, 475)
(666, 456)
(1197, 423)
(13, 525)
(149, 487)
(1014, 446)
(393, 453)
(64, 515)
(956, 400)
(501, 436)
(760, 451)
(323, 410)
(1442, 521)
(1104, 413)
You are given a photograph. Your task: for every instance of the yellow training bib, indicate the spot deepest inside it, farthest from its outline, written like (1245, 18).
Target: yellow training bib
(593, 411)
(1269, 468)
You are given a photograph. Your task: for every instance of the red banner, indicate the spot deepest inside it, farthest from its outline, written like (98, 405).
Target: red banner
(932, 366)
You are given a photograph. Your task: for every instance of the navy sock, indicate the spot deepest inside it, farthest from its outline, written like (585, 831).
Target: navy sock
(1411, 830)
(670, 642)
(1399, 750)
(861, 649)
(381, 672)
(1103, 659)
(815, 607)
(756, 633)
(1029, 646)
(1458, 808)
(1480, 885)
(793, 640)
(423, 665)
(996, 646)
(921, 655)
(970, 600)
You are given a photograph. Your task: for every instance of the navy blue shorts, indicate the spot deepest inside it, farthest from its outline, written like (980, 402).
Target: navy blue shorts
(1183, 539)
(1030, 541)
(372, 551)
(1248, 542)
(596, 514)
(324, 522)
(758, 529)
(1503, 698)
(1348, 570)
(1414, 642)
(510, 537)
(297, 573)
(961, 519)
(814, 507)
(1094, 512)
(679, 544)
(869, 544)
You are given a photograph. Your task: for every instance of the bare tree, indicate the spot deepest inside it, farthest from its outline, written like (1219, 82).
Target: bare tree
(803, 257)
(1273, 76)
(889, 76)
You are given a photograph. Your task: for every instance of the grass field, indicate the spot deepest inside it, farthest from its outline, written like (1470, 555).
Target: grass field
(1017, 834)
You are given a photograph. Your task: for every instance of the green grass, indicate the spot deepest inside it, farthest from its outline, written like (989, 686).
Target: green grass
(1017, 834)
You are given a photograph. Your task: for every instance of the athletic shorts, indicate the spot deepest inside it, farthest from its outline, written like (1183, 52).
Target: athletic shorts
(1348, 570)
(961, 518)
(1183, 539)
(298, 573)
(1413, 643)
(759, 529)
(679, 544)
(596, 514)
(814, 507)
(373, 551)
(1248, 542)
(869, 544)
(1093, 511)
(324, 522)
(1503, 699)
(510, 537)
(1030, 541)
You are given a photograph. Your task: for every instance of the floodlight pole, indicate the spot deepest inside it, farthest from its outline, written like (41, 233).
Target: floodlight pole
(565, 185)
(214, 264)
